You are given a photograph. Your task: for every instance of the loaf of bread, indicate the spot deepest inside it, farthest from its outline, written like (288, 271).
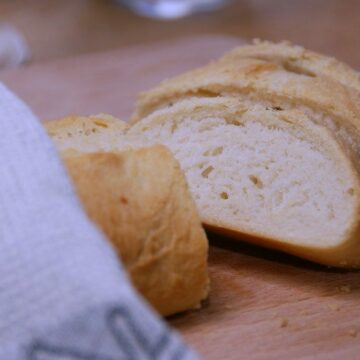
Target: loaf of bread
(140, 199)
(268, 137)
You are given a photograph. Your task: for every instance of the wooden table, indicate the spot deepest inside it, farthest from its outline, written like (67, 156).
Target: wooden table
(57, 29)
(263, 304)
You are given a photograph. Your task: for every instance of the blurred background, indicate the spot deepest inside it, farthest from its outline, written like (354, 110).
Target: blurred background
(53, 29)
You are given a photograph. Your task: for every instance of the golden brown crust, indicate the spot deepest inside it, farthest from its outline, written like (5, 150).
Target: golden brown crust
(344, 255)
(139, 198)
(298, 59)
(84, 124)
(257, 62)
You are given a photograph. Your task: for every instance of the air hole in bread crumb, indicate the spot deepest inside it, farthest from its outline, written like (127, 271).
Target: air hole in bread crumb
(174, 126)
(224, 195)
(214, 152)
(256, 181)
(331, 214)
(351, 191)
(277, 108)
(235, 122)
(218, 151)
(205, 173)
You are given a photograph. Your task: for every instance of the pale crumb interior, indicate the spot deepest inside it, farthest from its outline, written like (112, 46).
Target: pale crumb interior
(261, 179)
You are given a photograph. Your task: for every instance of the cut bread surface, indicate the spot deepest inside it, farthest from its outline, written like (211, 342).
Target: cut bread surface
(251, 169)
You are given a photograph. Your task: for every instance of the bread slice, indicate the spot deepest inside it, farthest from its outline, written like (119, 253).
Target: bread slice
(272, 177)
(141, 201)
(295, 189)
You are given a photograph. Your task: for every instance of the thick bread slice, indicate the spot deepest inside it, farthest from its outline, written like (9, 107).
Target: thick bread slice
(271, 177)
(141, 201)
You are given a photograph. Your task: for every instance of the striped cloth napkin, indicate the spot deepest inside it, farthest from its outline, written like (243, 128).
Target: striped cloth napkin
(63, 293)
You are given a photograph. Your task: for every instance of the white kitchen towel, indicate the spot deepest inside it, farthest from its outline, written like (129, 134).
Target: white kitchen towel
(13, 48)
(63, 292)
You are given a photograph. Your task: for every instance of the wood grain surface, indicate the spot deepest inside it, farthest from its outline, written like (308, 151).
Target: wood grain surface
(56, 29)
(108, 82)
(263, 304)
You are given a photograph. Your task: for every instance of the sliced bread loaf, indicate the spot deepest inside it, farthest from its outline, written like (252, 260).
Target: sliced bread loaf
(268, 137)
(140, 199)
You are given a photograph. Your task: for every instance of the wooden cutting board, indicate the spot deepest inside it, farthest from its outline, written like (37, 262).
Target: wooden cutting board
(263, 304)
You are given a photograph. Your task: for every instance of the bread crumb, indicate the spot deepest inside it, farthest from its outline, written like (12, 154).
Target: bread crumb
(207, 171)
(333, 307)
(345, 289)
(256, 181)
(353, 332)
(284, 322)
